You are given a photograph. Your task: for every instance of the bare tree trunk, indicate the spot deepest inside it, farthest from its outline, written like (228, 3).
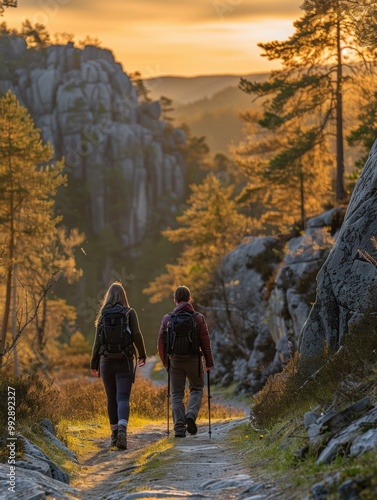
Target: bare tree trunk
(8, 286)
(8, 292)
(302, 200)
(14, 320)
(41, 327)
(340, 192)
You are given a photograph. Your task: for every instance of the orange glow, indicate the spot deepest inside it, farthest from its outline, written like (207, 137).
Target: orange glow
(168, 37)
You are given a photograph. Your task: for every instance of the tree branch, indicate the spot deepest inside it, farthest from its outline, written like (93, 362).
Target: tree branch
(9, 347)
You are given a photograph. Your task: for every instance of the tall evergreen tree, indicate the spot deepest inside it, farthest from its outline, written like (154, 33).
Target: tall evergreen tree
(282, 187)
(138, 82)
(52, 252)
(166, 109)
(304, 100)
(27, 186)
(365, 132)
(209, 228)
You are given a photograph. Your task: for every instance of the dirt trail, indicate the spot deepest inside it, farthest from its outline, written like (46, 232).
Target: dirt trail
(191, 467)
(197, 466)
(108, 468)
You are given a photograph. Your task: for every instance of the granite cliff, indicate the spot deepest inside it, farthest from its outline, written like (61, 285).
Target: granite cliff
(121, 157)
(303, 292)
(266, 288)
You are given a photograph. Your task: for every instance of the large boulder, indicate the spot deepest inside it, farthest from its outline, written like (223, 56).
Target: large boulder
(347, 282)
(20, 483)
(240, 338)
(267, 290)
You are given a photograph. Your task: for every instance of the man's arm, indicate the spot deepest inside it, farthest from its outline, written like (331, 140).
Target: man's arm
(161, 341)
(205, 342)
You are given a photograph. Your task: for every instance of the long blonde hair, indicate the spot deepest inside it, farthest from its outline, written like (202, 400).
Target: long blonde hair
(116, 294)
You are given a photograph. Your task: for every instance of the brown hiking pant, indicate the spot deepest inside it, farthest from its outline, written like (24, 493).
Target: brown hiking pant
(184, 368)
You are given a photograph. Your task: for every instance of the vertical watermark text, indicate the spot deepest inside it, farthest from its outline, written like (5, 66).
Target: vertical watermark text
(11, 440)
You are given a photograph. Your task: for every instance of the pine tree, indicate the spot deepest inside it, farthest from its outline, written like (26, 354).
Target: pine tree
(304, 100)
(365, 132)
(52, 252)
(35, 36)
(282, 188)
(166, 108)
(138, 82)
(27, 186)
(209, 228)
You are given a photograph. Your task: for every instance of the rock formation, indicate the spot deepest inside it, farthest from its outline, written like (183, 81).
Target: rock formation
(347, 283)
(266, 290)
(265, 308)
(350, 432)
(121, 158)
(35, 474)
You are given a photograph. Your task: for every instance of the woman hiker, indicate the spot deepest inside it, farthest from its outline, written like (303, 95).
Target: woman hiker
(117, 335)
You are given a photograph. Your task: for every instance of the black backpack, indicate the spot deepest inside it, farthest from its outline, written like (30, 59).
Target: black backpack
(116, 336)
(182, 334)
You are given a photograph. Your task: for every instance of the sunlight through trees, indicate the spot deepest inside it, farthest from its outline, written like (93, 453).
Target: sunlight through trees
(33, 248)
(209, 228)
(304, 107)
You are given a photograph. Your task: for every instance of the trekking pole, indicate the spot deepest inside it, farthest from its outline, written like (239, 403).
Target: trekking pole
(168, 397)
(209, 405)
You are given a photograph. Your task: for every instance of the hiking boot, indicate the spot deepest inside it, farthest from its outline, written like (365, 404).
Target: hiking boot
(180, 435)
(122, 439)
(113, 439)
(191, 425)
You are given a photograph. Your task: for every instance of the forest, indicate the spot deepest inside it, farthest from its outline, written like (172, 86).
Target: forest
(308, 124)
(308, 118)
(100, 183)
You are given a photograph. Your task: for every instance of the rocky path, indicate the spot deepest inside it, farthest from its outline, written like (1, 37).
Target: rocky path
(193, 467)
(154, 466)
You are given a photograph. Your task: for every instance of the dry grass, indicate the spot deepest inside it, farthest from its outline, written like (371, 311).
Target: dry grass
(343, 378)
(84, 400)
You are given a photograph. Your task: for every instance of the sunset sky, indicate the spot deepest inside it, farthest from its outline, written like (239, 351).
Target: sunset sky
(170, 37)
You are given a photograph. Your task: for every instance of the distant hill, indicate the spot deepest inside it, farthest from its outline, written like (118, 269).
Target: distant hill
(184, 90)
(210, 105)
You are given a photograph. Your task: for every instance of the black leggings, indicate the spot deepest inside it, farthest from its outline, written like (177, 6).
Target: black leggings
(117, 376)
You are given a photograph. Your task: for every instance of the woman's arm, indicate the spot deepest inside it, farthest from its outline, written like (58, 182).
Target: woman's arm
(95, 359)
(137, 336)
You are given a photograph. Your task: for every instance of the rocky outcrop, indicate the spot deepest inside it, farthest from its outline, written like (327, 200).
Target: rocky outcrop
(35, 459)
(266, 290)
(350, 432)
(346, 298)
(35, 474)
(121, 157)
(32, 484)
(331, 265)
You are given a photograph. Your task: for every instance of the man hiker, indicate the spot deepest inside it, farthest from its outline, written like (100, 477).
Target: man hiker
(182, 342)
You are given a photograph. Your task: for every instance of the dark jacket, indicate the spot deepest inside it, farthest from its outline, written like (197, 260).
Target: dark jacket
(204, 340)
(136, 335)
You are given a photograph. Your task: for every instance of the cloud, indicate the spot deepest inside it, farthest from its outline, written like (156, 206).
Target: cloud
(177, 12)
(169, 36)
(205, 49)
